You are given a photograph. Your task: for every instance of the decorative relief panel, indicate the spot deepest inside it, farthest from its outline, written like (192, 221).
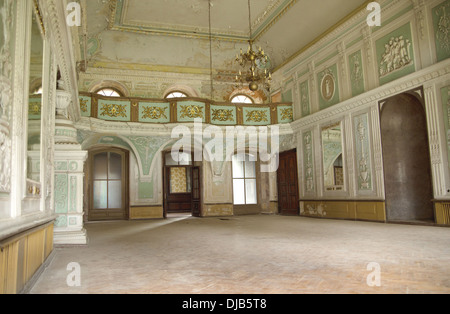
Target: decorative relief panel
(395, 54)
(441, 22)
(114, 110)
(256, 116)
(356, 73)
(285, 114)
(308, 162)
(363, 155)
(223, 115)
(154, 112)
(85, 106)
(445, 94)
(190, 110)
(34, 108)
(61, 193)
(304, 99)
(328, 87)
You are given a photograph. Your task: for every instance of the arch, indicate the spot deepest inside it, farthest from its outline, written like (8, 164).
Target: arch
(406, 158)
(185, 89)
(242, 99)
(115, 85)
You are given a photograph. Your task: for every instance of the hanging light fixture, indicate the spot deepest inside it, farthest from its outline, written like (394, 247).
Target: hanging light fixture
(253, 63)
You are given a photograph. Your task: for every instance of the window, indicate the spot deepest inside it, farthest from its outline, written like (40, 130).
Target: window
(37, 91)
(176, 95)
(244, 180)
(107, 181)
(109, 92)
(241, 99)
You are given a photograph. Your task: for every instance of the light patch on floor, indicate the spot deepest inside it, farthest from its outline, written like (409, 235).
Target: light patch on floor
(253, 254)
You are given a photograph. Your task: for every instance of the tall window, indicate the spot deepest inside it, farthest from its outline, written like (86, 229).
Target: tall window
(107, 181)
(241, 99)
(176, 95)
(109, 92)
(244, 180)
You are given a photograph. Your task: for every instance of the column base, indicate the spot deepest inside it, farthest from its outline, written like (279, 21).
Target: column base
(63, 237)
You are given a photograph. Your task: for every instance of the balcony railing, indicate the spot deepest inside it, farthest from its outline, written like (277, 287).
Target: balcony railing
(182, 110)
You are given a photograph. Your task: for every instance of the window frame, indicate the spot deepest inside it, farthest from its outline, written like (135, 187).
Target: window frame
(245, 179)
(176, 92)
(252, 101)
(120, 95)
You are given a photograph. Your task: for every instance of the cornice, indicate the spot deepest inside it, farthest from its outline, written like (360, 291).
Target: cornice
(404, 84)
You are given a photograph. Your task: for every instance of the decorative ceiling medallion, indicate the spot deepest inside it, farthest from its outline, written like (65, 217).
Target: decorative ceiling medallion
(328, 85)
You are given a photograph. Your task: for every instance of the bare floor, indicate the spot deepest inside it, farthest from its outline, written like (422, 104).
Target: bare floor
(253, 255)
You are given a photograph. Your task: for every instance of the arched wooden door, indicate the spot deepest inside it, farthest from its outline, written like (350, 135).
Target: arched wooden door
(108, 185)
(406, 157)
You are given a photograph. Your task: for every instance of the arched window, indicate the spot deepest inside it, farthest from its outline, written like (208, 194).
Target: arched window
(244, 180)
(176, 95)
(37, 91)
(241, 99)
(109, 92)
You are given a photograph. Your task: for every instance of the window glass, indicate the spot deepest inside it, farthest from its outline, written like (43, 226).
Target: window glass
(244, 180)
(109, 92)
(241, 99)
(176, 95)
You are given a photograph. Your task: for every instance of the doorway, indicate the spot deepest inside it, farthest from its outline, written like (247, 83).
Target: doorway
(406, 158)
(287, 180)
(108, 184)
(182, 185)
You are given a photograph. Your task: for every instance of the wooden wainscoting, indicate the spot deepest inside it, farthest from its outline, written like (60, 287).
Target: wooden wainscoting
(22, 255)
(351, 210)
(442, 211)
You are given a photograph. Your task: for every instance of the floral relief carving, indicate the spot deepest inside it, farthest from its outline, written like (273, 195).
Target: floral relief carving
(154, 113)
(191, 111)
(113, 111)
(257, 116)
(222, 115)
(443, 31)
(287, 114)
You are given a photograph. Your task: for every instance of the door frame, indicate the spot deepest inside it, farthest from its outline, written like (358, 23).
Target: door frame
(166, 181)
(125, 180)
(295, 212)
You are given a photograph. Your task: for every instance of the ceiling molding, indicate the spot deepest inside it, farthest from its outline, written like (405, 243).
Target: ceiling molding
(262, 24)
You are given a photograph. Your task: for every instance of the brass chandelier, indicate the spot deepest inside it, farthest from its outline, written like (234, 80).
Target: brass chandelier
(254, 64)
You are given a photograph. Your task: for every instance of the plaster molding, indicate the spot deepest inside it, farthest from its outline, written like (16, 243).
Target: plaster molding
(404, 84)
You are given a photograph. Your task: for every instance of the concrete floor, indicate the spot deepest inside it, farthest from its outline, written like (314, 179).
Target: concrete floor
(253, 254)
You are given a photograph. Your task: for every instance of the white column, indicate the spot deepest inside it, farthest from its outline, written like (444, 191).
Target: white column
(69, 164)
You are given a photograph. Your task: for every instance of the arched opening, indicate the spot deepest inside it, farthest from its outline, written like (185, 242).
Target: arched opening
(108, 184)
(406, 158)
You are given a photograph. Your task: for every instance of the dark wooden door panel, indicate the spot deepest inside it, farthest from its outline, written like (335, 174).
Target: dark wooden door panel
(288, 195)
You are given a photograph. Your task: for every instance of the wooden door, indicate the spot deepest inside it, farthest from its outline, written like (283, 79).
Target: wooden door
(196, 197)
(179, 189)
(288, 194)
(108, 185)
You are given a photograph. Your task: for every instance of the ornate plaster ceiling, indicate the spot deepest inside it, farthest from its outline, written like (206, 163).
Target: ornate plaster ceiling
(173, 35)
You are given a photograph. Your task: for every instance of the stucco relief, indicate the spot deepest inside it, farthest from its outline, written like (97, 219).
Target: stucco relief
(397, 55)
(6, 18)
